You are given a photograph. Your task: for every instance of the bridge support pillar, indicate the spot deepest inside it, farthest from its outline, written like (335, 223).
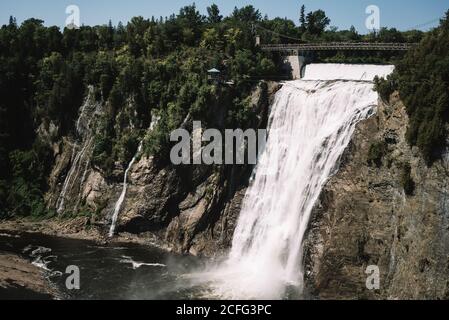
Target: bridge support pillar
(302, 65)
(294, 65)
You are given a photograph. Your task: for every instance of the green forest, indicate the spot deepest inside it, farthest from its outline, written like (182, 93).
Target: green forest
(422, 78)
(161, 63)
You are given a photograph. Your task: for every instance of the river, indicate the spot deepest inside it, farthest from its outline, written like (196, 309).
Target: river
(118, 271)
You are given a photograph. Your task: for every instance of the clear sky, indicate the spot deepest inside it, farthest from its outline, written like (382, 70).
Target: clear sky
(402, 14)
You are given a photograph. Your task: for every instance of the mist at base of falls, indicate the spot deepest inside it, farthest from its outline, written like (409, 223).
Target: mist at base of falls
(311, 124)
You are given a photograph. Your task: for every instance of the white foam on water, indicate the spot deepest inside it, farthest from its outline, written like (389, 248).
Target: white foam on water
(136, 265)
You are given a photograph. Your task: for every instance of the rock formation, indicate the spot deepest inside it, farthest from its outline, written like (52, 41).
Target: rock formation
(390, 212)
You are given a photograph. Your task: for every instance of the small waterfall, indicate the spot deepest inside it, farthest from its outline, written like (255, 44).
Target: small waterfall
(119, 203)
(80, 153)
(311, 124)
(72, 175)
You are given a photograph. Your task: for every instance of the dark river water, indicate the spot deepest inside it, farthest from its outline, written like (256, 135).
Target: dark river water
(118, 271)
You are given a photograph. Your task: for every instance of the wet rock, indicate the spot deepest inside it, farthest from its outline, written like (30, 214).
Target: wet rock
(190, 209)
(364, 218)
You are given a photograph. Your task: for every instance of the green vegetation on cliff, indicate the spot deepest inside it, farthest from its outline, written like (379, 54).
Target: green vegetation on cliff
(376, 153)
(150, 67)
(422, 78)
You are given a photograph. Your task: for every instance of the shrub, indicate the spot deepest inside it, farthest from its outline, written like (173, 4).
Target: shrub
(385, 87)
(25, 193)
(406, 180)
(101, 156)
(376, 153)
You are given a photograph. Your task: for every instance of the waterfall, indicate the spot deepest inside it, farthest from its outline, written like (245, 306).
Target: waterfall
(118, 204)
(72, 175)
(80, 151)
(334, 71)
(311, 124)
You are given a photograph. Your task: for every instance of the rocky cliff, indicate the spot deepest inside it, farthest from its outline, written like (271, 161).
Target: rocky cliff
(383, 208)
(188, 209)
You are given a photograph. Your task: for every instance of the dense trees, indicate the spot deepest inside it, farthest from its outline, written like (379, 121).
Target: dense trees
(423, 85)
(146, 68)
(422, 78)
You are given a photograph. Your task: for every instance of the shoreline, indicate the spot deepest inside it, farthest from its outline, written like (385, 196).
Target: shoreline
(21, 280)
(76, 229)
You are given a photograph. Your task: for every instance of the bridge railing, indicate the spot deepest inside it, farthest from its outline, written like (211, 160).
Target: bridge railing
(379, 46)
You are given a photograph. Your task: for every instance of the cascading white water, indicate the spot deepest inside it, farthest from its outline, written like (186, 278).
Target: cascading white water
(335, 71)
(79, 153)
(118, 205)
(311, 124)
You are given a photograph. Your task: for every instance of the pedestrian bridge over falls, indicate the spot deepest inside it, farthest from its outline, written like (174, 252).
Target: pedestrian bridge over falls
(296, 53)
(351, 46)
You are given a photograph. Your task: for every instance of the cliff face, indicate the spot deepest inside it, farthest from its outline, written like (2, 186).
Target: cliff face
(189, 209)
(384, 207)
(364, 217)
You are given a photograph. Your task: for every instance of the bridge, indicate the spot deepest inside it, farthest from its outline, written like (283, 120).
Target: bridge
(296, 53)
(328, 46)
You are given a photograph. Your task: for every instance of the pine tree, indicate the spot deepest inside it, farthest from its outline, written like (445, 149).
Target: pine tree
(214, 14)
(110, 35)
(302, 18)
(12, 21)
(316, 22)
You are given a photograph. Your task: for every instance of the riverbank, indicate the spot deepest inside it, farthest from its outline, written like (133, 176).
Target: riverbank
(19, 279)
(67, 228)
(77, 229)
(32, 264)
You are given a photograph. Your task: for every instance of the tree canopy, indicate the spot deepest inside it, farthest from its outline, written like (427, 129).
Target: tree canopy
(422, 79)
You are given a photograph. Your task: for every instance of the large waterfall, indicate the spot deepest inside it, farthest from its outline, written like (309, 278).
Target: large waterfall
(311, 124)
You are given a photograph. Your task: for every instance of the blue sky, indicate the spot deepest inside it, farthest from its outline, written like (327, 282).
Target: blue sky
(402, 14)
